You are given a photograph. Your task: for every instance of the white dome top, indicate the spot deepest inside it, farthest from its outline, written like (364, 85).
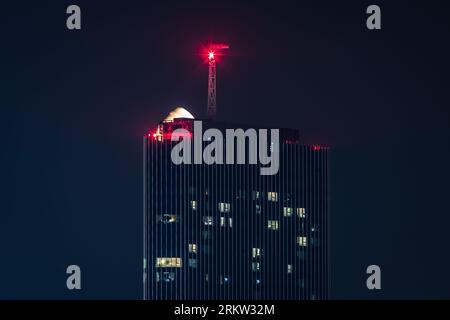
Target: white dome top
(179, 112)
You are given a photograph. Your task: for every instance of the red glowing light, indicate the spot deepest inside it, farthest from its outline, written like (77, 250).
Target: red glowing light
(319, 147)
(213, 51)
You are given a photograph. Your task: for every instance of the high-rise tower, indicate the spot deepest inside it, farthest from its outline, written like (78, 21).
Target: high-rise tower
(224, 231)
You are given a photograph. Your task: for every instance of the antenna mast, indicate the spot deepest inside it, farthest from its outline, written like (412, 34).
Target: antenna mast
(211, 109)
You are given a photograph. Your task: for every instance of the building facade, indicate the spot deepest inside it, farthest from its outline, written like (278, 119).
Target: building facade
(227, 232)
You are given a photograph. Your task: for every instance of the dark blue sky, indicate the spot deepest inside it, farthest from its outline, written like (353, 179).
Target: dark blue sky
(75, 104)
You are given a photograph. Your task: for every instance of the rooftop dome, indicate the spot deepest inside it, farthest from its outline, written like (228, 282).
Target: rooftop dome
(178, 112)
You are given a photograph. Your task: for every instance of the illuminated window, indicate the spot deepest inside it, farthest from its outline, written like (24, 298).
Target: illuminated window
(290, 268)
(224, 279)
(192, 263)
(168, 218)
(168, 276)
(256, 252)
(256, 195)
(255, 266)
(272, 196)
(287, 212)
(301, 213)
(208, 221)
(194, 205)
(168, 262)
(224, 207)
(272, 224)
(258, 209)
(302, 241)
(223, 222)
(192, 247)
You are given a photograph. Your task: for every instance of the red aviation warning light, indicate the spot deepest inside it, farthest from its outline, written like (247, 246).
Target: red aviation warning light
(212, 53)
(214, 50)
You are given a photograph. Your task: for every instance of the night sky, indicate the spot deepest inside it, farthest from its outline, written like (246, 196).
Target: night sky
(75, 104)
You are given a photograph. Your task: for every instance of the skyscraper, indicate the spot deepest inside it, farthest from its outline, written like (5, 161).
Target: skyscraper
(224, 231)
